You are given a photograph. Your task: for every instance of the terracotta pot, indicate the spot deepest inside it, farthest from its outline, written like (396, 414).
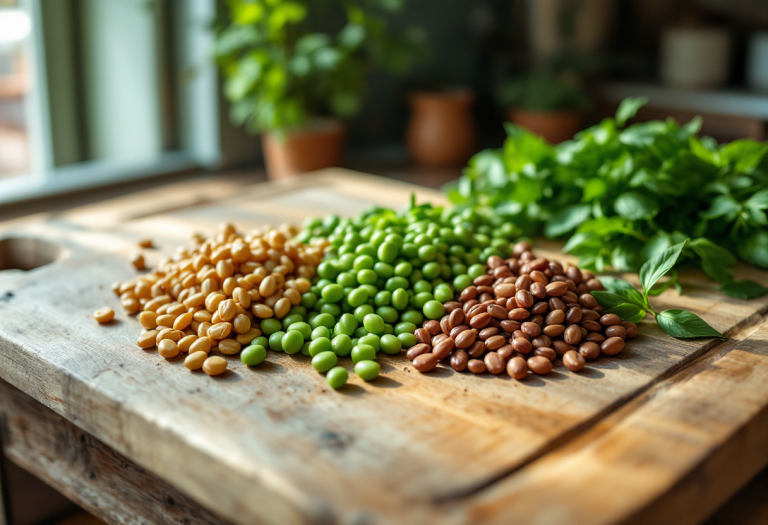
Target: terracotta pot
(441, 131)
(554, 126)
(318, 145)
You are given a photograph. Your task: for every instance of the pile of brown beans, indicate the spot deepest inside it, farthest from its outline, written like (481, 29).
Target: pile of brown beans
(212, 295)
(524, 314)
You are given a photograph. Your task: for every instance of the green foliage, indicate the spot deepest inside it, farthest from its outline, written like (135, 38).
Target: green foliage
(629, 304)
(625, 194)
(285, 61)
(543, 92)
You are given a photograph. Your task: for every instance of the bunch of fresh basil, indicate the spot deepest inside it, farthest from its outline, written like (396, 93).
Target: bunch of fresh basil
(624, 194)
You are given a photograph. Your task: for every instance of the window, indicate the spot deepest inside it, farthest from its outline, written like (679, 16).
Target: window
(100, 91)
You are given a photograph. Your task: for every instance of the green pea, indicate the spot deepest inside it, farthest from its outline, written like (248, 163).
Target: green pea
(355, 340)
(333, 293)
(327, 270)
(322, 344)
(292, 342)
(362, 311)
(298, 310)
(409, 250)
(400, 299)
(363, 352)
(324, 361)
(387, 252)
(341, 345)
(412, 316)
(403, 269)
(434, 310)
(363, 262)
(346, 279)
(357, 297)
(361, 331)
(390, 344)
(458, 268)
(305, 348)
(427, 253)
(346, 261)
(337, 377)
(407, 339)
(320, 331)
(443, 293)
(333, 309)
(308, 300)
(275, 341)
(366, 249)
(367, 370)
(374, 323)
(323, 319)
(303, 328)
(378, 237)
(421, 241)
(422, 286)
(367, 277)
(270, 326)
(389, 329)
(460, 282)
(416, 276)
(431, 270)
(290, 320)
(420, 299)
(476, 270)
(261, 340)
(348, 324)
(253, 355)
(383, 270)
(371, 340)
(405, 328)
(387, 313)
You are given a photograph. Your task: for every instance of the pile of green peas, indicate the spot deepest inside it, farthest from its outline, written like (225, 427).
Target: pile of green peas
(383, 274)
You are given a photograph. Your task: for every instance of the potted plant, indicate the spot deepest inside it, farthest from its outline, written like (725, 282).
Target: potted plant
(548, 104)
(294, 69)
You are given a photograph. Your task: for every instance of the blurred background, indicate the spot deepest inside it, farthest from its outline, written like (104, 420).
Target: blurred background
(99, 92)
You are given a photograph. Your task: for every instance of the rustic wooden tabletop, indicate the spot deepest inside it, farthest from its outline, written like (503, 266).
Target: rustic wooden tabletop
(665, 432)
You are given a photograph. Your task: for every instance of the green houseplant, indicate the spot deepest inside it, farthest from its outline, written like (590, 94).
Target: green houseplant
(293, 69)
(548, 104)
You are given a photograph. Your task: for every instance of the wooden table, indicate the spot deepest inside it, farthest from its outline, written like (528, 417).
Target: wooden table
(663, 433)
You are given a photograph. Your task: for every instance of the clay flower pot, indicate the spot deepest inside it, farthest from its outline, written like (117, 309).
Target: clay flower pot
(441, 131)
(554, 126)
(316, 146)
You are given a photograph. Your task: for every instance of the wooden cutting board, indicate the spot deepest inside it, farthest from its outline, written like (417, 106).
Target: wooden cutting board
(665, 432)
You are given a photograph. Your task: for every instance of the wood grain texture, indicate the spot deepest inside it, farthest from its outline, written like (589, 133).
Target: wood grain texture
(275, 443)
(86, 470)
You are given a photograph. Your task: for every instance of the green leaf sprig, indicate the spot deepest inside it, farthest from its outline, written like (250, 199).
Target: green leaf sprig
(622, 299)
(622, 194)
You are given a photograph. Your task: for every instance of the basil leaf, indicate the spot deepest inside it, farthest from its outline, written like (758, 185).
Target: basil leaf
(610, 300)
(744, 289)
(614, 284)
(657, 267)
(715, 260)
(723, 206)
(759, 200)
(745, 154)
(628, 312)
(635, 206)
(569, 218)
(683, 324)
(628, 109)
(754, 249)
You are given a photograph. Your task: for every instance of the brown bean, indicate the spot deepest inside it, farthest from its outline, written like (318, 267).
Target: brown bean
(555, 317)
(506, 351)
(456, 330)
(438, 338)
(476, 366)
(510, 326)
(468, 305)
(570, 298)
(561, 347)
(498, 312)
(594, 337)
(480, 320)
(456, 317)
(477, 309)
(553, 330)
(574, 361)
(610, 320)
(483, 280)
(517, 368)
(470, 292)
(523, 346)
(612, 346)
(524, 299)
(523, 282)
(422, 336)
(494, 363)
(574, 274)
(616, 331)
(459, 360)
(482, 290)
(539, 365)
(572, 335)
(530, 329)
(505, 290)
(589, 350)
(416, 350)
(631, 329)
(518, 314)
(589, 315)
(477, 349)
(546, 352)
(556, 289)
(538, 291)
(587, 300)
(445, 325)
(444, 348)
(465, 338)
(573, 315)
(502, 272)
(495, 342)
(591, 326)
(432, 326)
(540, 308)
(541, 341)
(450, 306)
(487, 333)
(594, 285)
(556, 304)
(425, 362)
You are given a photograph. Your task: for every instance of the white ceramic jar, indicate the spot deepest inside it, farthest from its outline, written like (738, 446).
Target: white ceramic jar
(757, 62)
(695, 58)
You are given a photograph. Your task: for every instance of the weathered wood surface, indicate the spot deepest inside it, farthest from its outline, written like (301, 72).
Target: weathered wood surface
(86, 470)
(275, 444)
